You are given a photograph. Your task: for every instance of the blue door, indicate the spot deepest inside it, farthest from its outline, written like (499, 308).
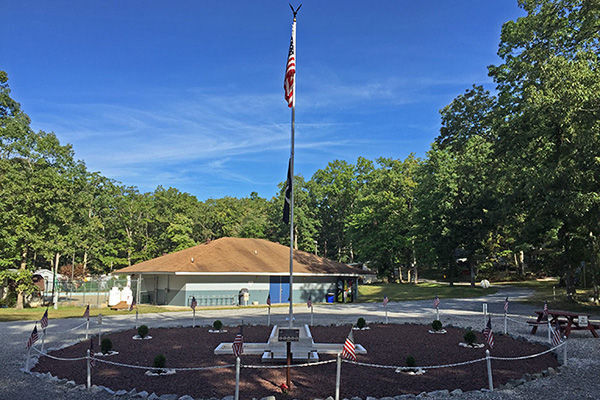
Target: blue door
(279, 289)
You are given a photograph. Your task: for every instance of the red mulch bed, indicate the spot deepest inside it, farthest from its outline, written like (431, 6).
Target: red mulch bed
(385, 344)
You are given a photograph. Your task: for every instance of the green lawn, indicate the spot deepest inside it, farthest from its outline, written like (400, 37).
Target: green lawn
(548, 290)
(404, 291)
(32, 314)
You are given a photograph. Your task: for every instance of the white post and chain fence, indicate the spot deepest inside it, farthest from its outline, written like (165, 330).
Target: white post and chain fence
(92, 358)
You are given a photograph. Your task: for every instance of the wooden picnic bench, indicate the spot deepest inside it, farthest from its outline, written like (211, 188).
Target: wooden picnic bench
(568, 321)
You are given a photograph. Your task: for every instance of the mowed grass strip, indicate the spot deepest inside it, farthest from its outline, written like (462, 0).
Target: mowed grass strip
(33, 314)
(556, 296)
(427, 290)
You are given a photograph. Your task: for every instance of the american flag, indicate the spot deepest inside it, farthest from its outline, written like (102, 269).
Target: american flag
(86, 314)
(269, 300)
(436, 301)
(44, 320)
(290, 70)
(488, 334)
(309, 302)
(385, 300)
(132, 305)
(238, 344)
(349, 351)
(194, 303)
(506, 305)
(33, 338)
(556, 338)
(545, 309)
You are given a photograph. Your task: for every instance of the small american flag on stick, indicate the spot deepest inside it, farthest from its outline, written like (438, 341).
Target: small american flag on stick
(269, 300)
(194, 303)
(545, 309)
(385, 300)
(33, 338)
(132, 305)
(238, 344)
(506, 305)
(436, 301)
(349, 351)
(556, 338)
(309, 302)
(86, 313)
(488, 334)
(44, 320)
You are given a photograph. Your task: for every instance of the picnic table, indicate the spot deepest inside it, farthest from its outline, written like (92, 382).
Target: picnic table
(568, 321)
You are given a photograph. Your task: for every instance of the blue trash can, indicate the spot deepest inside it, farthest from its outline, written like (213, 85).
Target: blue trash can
(330, 297)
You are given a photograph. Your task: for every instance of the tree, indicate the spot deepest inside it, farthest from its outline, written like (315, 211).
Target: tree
(335, 190)
(550, 103)
(33, 181)
(380, 226)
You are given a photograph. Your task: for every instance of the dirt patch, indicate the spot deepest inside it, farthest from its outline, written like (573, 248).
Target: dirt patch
(386, 345)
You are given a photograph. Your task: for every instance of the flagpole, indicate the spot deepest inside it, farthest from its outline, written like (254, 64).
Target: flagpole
(293, 132)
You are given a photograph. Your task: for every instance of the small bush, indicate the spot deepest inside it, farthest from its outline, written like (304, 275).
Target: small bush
(470, 337)
(143, 331)
(106, 346)
(360, 323)
(160, 361)
(411, 362)
(217, 325)
(436, 325)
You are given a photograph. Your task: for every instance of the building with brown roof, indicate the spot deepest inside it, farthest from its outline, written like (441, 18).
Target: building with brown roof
(219, 272)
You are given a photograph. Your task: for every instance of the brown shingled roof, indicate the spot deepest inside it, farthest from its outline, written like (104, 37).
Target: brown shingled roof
(239, 255)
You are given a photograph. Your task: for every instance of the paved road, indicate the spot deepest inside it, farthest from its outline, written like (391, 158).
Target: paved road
(578, 377)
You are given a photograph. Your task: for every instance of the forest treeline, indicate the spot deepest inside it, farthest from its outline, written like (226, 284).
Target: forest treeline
(511, 181)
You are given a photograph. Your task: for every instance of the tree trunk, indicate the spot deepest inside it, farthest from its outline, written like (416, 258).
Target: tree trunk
(295, 237)
(472, 267)
(413, 265)
(54, 286)
(20, 299)
(85, 260)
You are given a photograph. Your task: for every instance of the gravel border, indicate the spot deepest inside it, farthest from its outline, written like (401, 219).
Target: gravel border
(577, 379)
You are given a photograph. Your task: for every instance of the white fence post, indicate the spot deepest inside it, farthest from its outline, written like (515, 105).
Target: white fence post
(237, 379)
(488, 360)
(89, 370)
(338, 376)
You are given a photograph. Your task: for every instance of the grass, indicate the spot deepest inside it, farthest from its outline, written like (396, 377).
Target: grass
(405, 291)
(32, 314)
(549, 290)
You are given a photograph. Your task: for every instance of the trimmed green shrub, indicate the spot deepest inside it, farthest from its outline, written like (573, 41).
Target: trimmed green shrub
(361, 323)
(217, 325)
(160, 361)
(436, 325)
(106, 346)
(470, 337)
(411, 362)
(143, 331)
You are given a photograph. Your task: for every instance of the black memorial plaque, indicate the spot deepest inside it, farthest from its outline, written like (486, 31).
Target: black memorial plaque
(289, 335)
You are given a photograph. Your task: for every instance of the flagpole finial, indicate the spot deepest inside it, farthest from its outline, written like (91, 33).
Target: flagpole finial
(295, 11)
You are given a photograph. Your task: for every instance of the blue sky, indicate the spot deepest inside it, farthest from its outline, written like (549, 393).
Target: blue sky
(189, 94)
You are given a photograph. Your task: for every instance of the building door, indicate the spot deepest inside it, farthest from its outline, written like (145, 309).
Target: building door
(279, 289)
